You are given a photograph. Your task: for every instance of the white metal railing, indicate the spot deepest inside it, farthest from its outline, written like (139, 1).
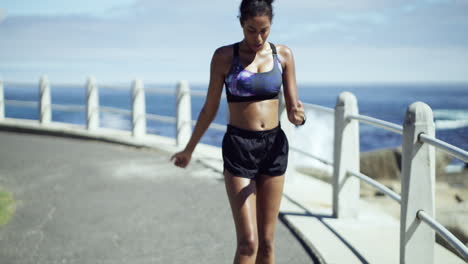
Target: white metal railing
(183, 106)
(414, 162)
(114, 87)
(378, 123)
(377, 185)
(160, 91)
(417, 176)
(161, 118)
(115, 110)
(69, 107)
(444, 233)
(302, 152)
(22, 103)
(319, 108)
(418, 148)
(444, 146)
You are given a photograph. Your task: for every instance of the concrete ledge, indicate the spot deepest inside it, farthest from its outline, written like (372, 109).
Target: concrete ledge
(372, 237)
(211, 154)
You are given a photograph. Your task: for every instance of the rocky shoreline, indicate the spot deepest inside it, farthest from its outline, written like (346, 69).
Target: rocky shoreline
(451, 190)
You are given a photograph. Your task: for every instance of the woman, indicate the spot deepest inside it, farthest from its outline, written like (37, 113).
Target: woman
(255, 148)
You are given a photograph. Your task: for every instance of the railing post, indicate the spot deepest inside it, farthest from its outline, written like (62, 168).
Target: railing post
(288, 129)
(346, 157)
(45, 111)
(184, 114)
(417, 186)
(92, 106)
(2, 101)
(139, 109)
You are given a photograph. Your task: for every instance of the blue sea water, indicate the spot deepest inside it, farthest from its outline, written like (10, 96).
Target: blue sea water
(388, 102)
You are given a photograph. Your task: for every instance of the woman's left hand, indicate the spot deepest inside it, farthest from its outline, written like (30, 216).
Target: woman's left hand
(297, 115)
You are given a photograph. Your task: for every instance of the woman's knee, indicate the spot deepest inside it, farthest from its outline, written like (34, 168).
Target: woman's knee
(266, 246)
(247, 246)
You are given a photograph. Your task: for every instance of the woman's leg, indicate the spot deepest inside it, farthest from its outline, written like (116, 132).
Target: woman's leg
(269, 193)
(242, 197)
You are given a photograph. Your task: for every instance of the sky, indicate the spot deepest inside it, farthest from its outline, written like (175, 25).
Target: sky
(333, 41)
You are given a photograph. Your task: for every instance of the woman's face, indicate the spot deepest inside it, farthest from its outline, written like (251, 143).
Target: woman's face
(256, 30)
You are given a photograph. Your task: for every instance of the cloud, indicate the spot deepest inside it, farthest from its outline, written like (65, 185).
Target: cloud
(58, 7)
(164, 42)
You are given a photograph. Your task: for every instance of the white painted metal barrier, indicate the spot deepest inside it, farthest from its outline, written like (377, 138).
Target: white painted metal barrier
(417, 186)
(92, 106)
(418, 176)
(346, 157)
(45, 109)
(139, 109)
(184, 114)
(418, 183)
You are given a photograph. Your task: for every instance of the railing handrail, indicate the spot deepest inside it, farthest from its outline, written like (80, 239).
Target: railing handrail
(111, 109)
(319, 107)
(377, 185)
(160, 91)
(162, 118)
(444, 233)
(378, 123)
(69, 107)
(327, 162)
(26, 103)
(444, 146)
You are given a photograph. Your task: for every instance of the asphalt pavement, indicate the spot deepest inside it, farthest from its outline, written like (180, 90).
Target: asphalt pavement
(85, 201)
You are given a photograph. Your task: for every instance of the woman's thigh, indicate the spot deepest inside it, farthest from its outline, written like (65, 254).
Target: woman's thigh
(242, 198)
(269, 194)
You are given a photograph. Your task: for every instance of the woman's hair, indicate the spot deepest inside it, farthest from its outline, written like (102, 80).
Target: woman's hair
(252, 8)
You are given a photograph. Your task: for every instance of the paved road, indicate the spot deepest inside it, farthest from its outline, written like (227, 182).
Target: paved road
(84, 201)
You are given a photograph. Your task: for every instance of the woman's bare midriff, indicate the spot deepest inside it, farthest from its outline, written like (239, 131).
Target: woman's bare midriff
(255, 115)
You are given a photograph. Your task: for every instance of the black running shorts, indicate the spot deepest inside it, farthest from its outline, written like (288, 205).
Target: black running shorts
(248, 153)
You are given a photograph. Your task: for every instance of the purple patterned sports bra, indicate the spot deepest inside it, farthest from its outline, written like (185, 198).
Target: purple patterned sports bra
(242, 85)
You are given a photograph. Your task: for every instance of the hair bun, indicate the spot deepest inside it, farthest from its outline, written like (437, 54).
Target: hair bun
(251, 8)
(266, 1)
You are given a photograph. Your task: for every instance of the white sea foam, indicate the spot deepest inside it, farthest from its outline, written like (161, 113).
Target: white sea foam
(113, 120)
(450, 119)
(450, 124)
(315, 137)
(451, 114)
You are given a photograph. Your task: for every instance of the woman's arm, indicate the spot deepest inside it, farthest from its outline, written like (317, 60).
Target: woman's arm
(209, 109)
(293, 104)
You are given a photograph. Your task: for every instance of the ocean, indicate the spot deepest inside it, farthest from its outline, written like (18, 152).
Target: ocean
(384, 101)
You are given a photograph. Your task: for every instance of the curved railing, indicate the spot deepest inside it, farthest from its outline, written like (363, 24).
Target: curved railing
(138, 113)
(418, 157)
(417, 133)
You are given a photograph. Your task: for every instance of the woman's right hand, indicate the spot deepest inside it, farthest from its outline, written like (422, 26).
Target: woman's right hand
(182, 158)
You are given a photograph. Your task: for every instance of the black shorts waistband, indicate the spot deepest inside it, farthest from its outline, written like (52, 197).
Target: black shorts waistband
(233, 130)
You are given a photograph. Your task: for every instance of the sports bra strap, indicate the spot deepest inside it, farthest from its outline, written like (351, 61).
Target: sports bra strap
(273, 48)
(236, 50)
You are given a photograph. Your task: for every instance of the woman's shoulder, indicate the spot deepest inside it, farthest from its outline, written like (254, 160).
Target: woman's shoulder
(284, 52)
(222, 58)
(224, 54)
(225, 51)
